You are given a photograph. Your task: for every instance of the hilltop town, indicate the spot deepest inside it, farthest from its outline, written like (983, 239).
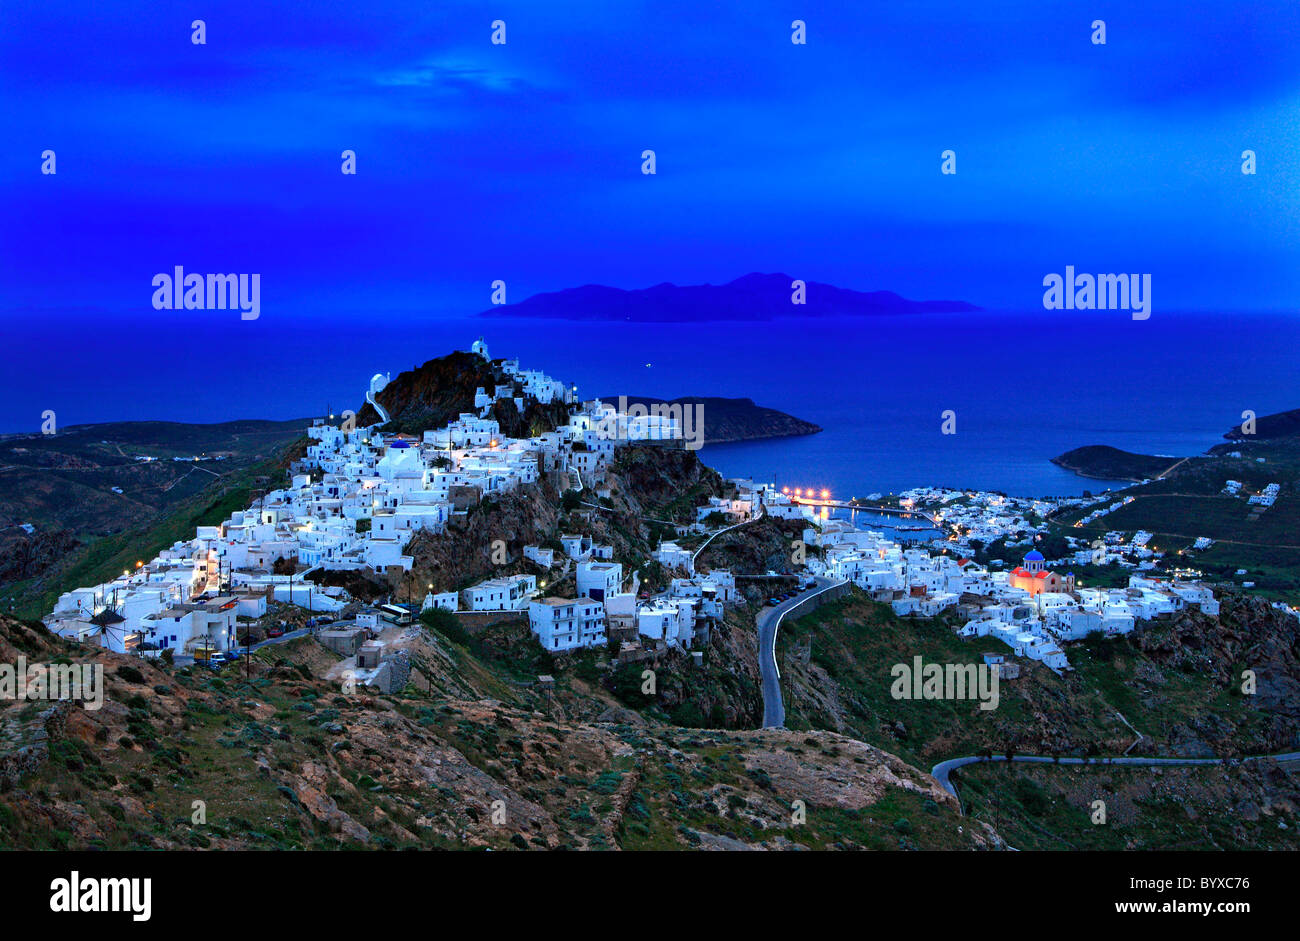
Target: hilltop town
(360, 495)
(579, 552)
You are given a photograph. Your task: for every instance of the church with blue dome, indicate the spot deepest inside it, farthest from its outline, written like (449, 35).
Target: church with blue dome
(1033, 576)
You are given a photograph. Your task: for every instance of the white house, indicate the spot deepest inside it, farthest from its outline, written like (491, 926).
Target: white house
(543, 557)
(447, 600)
(511, 593)
(599, 580)
(671, 555)
(567, 623)
(576, 547)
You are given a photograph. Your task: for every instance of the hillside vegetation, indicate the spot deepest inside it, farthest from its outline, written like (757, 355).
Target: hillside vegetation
(1177, 682)
(284, 760)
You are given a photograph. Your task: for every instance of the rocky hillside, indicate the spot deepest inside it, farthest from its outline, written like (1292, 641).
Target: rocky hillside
(721, 692)
(762, 546)
(26, 555)
(651, 489)
(1252, 806)
(1176, 681)
(285, 759)
(437, 392)
(1248, 634)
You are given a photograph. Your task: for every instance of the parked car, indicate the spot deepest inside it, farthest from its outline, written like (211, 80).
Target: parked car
(276, 631)
(773, 602)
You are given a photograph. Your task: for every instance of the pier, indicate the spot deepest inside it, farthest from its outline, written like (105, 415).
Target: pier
(858, 507)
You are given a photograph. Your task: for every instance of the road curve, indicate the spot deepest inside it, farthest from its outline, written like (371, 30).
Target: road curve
(768, 620)
(943, 769)
(726, 529)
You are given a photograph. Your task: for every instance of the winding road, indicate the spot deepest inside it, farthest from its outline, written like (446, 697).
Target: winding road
(762, 511)
(943, 769)
(769, 619)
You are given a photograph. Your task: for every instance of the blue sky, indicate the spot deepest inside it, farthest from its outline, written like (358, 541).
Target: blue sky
(522, 161)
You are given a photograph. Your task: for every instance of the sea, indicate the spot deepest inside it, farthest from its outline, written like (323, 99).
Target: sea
(1021, 387)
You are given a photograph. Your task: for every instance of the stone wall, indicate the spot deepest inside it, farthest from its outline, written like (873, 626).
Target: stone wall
(810, 604)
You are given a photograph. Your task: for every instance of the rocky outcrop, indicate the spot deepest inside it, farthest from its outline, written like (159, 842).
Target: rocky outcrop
(1248, 635)
(24, 555)
(763, 545)
(437, 392)
(463, 553)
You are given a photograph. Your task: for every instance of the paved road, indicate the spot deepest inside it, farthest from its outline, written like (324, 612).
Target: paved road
(282, 639)
(943, 769)
(769, 619)
(718, 532)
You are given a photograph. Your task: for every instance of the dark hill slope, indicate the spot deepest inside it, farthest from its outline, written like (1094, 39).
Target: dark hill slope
(431, 395)
(286, 760)
(1278, 425)
(1106, 463)
(727, 420)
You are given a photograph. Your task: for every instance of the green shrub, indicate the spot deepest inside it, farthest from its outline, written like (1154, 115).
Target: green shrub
(130, 674)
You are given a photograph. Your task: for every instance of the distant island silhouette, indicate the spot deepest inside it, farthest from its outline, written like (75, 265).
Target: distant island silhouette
(751, 297)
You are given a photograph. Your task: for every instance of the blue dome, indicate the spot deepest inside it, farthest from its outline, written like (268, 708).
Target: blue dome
(1033, 555)
(399, 443)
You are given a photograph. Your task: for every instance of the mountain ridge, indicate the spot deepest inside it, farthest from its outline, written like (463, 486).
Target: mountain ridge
(751, 297)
